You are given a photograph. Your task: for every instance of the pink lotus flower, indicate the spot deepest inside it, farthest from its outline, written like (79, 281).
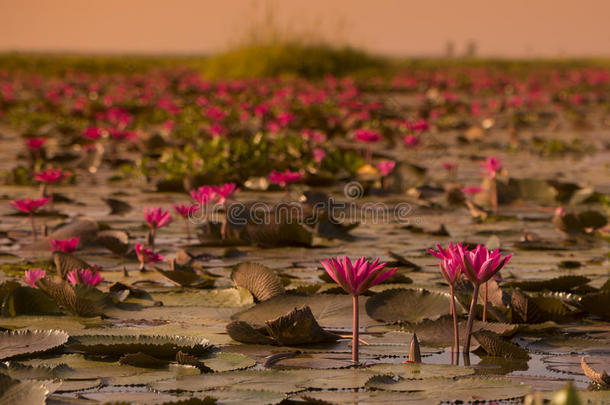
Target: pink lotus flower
(35, 143)
(32, 276)
(450, 265)
(410, 140)
(93, 133)
(449, 166)
(419, 125)
(318, 154)
(84, 276)
(479, 265)
(385, 167)
(157, 217)
(202, 195)
(492, 165)
(367, 135)
(185, 210)
(64, 245)
(51, 175)
(356, 279)
(450, 262)
(285, 177)
(146, 256)
(120, 135)
(313, 135)
(28, 205)
(224, 191)
(471, 190)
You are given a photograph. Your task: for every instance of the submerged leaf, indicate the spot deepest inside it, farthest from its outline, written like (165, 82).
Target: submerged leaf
(28, 301)
(494, 346)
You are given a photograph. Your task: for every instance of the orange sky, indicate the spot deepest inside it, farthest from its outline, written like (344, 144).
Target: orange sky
(531, 28)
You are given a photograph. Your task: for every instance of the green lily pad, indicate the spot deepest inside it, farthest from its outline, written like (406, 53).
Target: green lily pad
(30, 342)
(227, 361)
(408, 305)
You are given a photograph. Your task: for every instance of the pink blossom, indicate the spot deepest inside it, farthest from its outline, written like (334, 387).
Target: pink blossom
(146, 255)
(358, 277)
(284, 118)
(318, 154)
(84, 276)
(93, 133)
(492, 165)
(480, 264)
(471, 190)
(450, 262)
(285, 177)
(28, 205)
(157, 217)
(64, 245)
(35, 143)
(385, 167)
(367, 135)
(410, 140)
(449, 166)
(224, 191)
(32, 276)
(185, 210)
(313, 135)
(202, 195)
(51, 175)
(419, 125)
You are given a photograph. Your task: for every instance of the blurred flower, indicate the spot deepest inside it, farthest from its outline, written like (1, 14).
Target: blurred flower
(64, 245)
(224, 191)
(185, 210)
(385, 167)
(367, 135)
(202, 195)
(449, 166)
(32, 276)
(410, 140)
(318, 154)
(35, 143)
(492, 165)
(93, 133)
(285, 177)
(29, 205)
(157, 217)
(51, 175)
(146, 256)
(471, 190)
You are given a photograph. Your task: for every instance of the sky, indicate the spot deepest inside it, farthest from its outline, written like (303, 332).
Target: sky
(515, 28)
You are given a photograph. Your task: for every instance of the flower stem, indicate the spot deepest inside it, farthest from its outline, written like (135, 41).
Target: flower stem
(355, 340)
(33, 226)
(494, 196)
(188, 230)
(471, 316)
(456, 332)
(485, 302)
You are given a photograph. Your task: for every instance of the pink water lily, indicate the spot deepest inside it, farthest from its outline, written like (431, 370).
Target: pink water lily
(318, 154)
(410, 140)
(479, 265)
(33, 275)
(186, 211)
(356, 278)
(202, 195)
(367, 135)
(35, 143)
(450, 264)
(84, 276)
(51, 175)
(386, 167)
(156, 217)
(224, 191)
(471, 190)
(285, 177)
(492, 165)
(93, 133)
(64, 245)
(146, 256)
(30, 206)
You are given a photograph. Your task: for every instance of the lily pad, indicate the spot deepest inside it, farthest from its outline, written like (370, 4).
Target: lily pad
(260, 280)
(408, 305)
(227, 361)
(157, 346)
(495, 346)
(28, 301)
(30, 342)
